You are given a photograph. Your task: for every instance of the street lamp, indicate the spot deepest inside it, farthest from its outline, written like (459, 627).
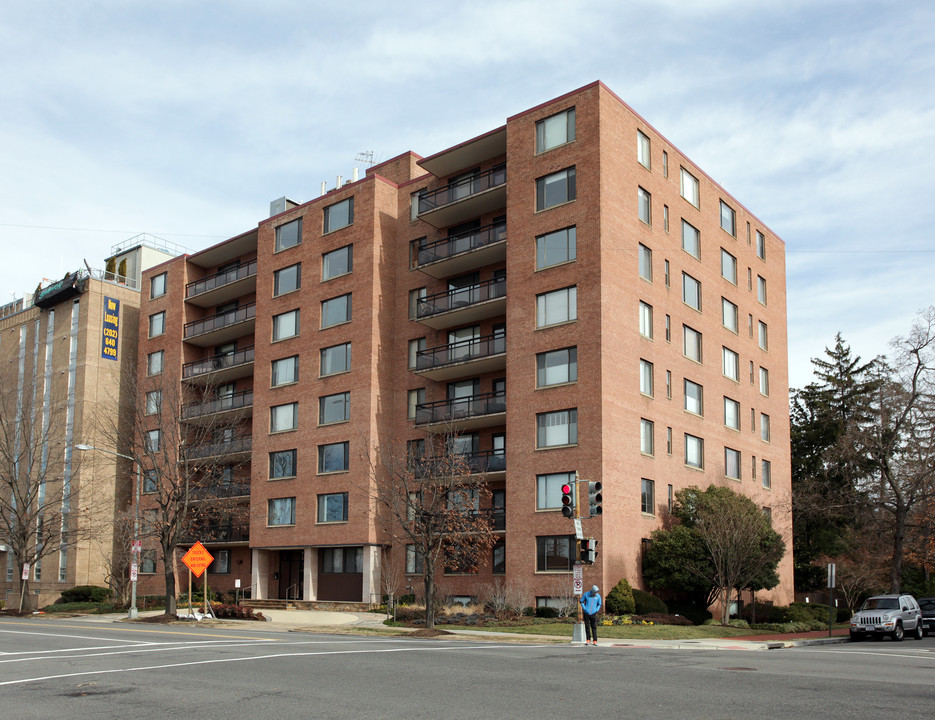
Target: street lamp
(132, 614)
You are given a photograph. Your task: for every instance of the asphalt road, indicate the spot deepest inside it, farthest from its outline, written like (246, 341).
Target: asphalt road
(77, 670)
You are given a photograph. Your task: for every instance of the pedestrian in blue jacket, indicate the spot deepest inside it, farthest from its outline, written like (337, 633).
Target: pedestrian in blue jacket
(590, 606)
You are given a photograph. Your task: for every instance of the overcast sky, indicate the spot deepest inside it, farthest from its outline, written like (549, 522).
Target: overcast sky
(184, 119)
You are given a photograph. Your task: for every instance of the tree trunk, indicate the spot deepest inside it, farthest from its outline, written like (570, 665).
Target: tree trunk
(899, 537)
(429, 601)
(169, 567)
(724, 595)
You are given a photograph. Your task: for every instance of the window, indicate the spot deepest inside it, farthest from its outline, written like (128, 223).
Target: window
(332, 507)
(731, 413)
(282, 464)
(339, 215)
(730, 364)
(728, 266)
(336, 311)
(750, 279)
(691, 291)
(157, 286)
(334, 457)
(761, 289)
(414, 297)
(646, 320)
(764, 381)
(147, 562)
(153, 441)
(413, 560)
(732, 463)
(280, 511)
(760, 245)
(669, 384)
(665, 265)
(498, 558)
(549, 490)
(665, 218)
(665, 164)
(558, 306)
(554, 553)
(416, 397)
(153, 402)
(283, 417)
(555, 189)
(554, 429)
(646, 263)
(647, 496)
(150, 481)
(221, 565)
(646, 378)
(287, 280)
(285, 325)
(414, 347)
(668, 328)
(689, 187)
(694, 451)
(691, 343)
(645, 206)
(334, 408)
(764, 345)
(729, 318)
(557, 367)
(764, 427)
(288, 235)
(668, 441)
(691, 240)
(556, 247)
(157, 324)
(335, 359)
(284, 371)
(642, 149)
(337, 262)
(555, 130)
(154, 362)
(728, 219)
(767, 474)
(694, 401)
(647, 440)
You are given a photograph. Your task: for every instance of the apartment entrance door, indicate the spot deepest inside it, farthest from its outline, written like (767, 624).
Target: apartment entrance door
(291, 575)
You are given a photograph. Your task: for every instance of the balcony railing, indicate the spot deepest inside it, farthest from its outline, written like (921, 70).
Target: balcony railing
(461, 297)
(221, 490)
(461, 189)
(461, 243)
(445, 411)
(224, 361)
(220, 321)
(218, 533)
(461, 351)
(213, 282)
(235, 446)
(225, 403)
(484, 461)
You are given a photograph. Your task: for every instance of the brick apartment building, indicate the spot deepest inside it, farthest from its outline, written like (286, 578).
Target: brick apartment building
(567, 292)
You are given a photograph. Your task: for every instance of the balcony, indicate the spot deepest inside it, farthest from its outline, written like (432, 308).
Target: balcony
(224, 286)
(466, 357)
(459, 414)
(491, 463)
(220, 368)
(236, 448)
(464, 198)
(206, 412)
(462, 253)
(221, 491)
(463, 305)
(218, 533)
(221, 328)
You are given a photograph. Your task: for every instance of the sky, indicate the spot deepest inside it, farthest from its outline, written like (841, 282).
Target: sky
(184, 120)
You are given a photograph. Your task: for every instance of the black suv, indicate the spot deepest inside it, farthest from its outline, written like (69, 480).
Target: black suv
(928, 615)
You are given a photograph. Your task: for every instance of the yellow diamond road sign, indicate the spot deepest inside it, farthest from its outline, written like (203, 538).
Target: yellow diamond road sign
(198, 558)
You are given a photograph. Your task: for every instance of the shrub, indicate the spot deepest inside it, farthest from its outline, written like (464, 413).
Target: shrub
(86, 593)
(695, 613)
(620, 599)
(646, 603)
(765, 613)
(738, 623)
(236, 612)
(546, 612)
(664, 619)
(789, 627)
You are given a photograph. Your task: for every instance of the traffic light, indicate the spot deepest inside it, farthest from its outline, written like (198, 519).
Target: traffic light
(594, 498)
(589, 550)
(568, 500)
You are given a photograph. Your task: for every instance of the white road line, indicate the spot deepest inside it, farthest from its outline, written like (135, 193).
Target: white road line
(929, 655)
(277, 656)
(71, 637)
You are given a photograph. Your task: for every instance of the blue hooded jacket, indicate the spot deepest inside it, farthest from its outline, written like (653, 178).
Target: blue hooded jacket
(591, 602)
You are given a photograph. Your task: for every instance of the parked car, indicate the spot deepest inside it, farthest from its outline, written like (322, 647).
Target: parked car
(893, 615)
(928, 615)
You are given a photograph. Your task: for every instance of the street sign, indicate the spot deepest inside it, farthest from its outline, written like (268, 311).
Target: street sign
(134, 572)
(197, 559)
(579, 580)
(237, 583)
(25, 571)
(137, 547)
(831, 573)
(579, 533)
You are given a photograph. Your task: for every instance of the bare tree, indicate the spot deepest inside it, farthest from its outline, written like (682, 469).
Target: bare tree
(430, 502)
(118, 561)
(184, 441)
(861, 570)
(392, 574)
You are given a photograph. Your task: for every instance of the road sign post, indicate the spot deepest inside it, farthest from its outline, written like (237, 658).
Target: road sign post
(197, 560)
(577, 632)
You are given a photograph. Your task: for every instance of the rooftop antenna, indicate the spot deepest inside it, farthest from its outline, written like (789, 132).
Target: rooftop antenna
(365, 157)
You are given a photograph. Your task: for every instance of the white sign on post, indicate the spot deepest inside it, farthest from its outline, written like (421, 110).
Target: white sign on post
(134, 572)
(237, 583)
(25, 571)
(579, 580)
(137, 547)
(579, 533)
